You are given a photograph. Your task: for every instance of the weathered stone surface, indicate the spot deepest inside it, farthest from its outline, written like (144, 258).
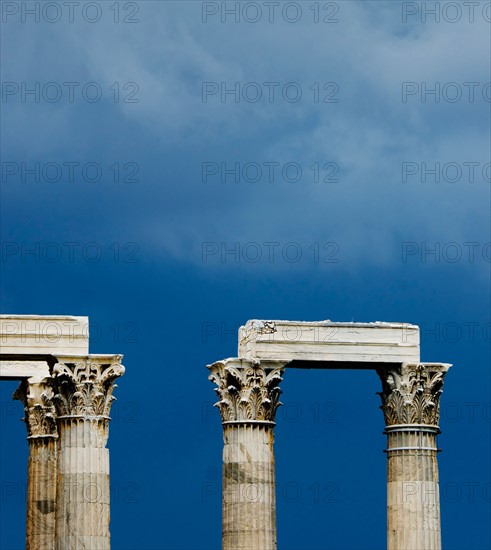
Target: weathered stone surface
(67, 397)
(84, 387)
(248, 390)
(313, 343)
(42, 431)
(15, 370)
(411, 406)
(44, 335)
(249, 490)
(248, 398)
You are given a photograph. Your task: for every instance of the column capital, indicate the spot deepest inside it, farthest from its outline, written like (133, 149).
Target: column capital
(411, 394)
(248, 390)
(38, 400)
(85, 384)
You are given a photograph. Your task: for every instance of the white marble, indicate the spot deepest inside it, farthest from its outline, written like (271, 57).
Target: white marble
(44, 335)
(411, 406)
(248, 392)
(67, 396)
(315, 343)
(84, 388)
(34, 370)
(248, 398)
(42, 435)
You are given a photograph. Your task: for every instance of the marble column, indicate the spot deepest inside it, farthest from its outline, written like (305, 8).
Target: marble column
(248, 398)
(84, 387)
(411, 407)
(40, 419)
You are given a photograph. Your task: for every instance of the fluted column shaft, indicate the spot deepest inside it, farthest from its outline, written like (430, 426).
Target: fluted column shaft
(83, 400)
(249, 490)
(41, 465)
(413, 502)
(82, 518)
(410, 402)
(249, 396)
(41, 494)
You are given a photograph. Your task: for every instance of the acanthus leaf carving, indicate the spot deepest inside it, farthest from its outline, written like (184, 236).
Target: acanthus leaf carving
(247, 392)
(85, 385)
(411, 393)
(39, 408)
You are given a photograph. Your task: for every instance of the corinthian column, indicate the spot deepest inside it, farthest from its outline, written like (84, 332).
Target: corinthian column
(41, 467)
(248, 398)
(411, 407)
(83, 401)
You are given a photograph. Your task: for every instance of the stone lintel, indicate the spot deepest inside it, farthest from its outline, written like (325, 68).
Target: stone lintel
(35, 371)
(99, 358)
(241, 362)
(323, 344)
(44, 335)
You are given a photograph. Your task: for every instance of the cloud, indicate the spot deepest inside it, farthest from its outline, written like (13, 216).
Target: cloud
(368, 133)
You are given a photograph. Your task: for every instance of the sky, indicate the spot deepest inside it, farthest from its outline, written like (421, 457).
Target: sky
(172, 169)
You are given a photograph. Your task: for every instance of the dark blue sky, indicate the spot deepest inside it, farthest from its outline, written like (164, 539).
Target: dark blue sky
(169, 263)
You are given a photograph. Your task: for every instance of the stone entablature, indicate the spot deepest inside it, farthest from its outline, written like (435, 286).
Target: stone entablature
(248, 391)
(326, 341)
(67, 395)
(44, 335)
